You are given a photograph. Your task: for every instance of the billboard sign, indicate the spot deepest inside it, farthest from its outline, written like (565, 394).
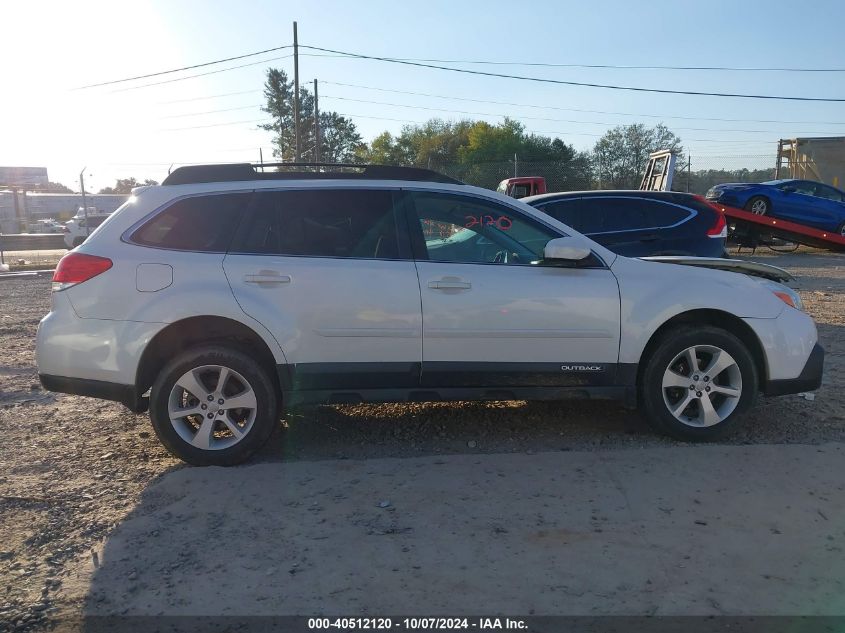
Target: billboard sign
(23, 176)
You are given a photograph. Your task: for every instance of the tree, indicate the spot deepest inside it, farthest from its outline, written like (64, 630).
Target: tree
(620, 156)
(339, 138)
(125, 186)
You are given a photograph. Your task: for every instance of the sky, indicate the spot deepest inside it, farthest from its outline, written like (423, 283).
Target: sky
(141, 128)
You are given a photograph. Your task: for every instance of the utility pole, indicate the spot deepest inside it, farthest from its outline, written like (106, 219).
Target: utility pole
(515, 159)
(84, 203)
(316, 125)
(298, 149)
(261, 157)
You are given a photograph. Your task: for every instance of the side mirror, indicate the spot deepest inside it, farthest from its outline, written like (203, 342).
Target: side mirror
(571, 249)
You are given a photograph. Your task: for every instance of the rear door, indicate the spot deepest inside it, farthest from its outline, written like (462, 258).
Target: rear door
(326, 272)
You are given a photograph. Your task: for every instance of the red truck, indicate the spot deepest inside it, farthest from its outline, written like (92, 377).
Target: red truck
(523, 186)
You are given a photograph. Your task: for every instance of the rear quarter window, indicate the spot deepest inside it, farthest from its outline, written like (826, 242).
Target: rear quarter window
(199, 223)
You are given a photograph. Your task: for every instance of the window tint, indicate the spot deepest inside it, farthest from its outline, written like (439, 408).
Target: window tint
(199, 223)
(829, 193)
(322, 223)
(804, 187)
(567, 211)
(471, 230)
(607, 215)
(661, 214)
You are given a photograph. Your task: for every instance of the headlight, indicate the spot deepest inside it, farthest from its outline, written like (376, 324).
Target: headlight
(786, 294)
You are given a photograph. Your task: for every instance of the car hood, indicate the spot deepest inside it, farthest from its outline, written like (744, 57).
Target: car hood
(754, 269)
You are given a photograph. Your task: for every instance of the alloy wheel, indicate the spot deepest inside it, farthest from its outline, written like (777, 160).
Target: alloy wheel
(759, 207)
(212, 407)
(702, 386)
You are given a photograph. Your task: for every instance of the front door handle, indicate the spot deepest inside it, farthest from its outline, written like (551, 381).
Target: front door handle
(266, 278)
(449, 283)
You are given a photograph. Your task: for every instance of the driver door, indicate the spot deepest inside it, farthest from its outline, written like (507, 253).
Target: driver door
(493, 314)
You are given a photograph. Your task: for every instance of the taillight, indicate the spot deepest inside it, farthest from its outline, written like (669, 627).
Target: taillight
(74, 268)
(720, 228)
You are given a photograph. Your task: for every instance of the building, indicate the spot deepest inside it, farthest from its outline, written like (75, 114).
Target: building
(15, 218)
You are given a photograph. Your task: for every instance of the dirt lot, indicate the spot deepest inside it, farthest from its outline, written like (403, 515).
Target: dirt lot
(73, 470)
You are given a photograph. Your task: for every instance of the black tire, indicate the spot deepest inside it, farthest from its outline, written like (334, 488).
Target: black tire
(767, 205)
(655, 408)
(262, 425)
(841, 229)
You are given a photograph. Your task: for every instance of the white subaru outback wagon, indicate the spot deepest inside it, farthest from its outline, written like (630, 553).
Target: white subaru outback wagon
(228, 292)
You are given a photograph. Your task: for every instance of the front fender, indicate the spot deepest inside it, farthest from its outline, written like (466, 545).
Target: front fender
(652, 293)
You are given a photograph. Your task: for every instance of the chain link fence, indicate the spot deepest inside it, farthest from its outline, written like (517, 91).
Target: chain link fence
(693, 173)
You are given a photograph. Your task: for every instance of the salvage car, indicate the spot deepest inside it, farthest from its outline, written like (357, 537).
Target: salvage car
(641, 223)
(228, 292)
(803, 201)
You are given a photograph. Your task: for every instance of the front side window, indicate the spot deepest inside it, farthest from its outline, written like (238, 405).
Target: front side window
(354, 223)
(828, 193)
(471, 230)
(198, 223)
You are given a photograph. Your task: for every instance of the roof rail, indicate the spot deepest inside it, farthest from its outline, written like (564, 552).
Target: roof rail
(190, 174)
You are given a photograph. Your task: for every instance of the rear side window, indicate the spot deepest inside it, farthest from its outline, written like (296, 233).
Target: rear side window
(659, 214)
(355, 223)
(199, 223)
(608, 215)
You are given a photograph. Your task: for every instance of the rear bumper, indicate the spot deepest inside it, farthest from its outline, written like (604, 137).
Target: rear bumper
(810, 378)
(125, 394)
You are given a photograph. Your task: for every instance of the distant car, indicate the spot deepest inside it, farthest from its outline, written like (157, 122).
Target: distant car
(78, 228)
(641, 223)
(804, 201)
(46, 226)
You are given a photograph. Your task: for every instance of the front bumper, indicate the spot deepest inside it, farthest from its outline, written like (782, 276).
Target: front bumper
(809, 379)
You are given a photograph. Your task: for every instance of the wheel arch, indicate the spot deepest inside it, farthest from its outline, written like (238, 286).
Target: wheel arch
(716, 318)
(201, 330)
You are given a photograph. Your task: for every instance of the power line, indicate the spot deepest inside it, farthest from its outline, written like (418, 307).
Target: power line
(541, 107)
(577, 83)
(596, 66)
(212, 72)
(530, 118)
(176, 70)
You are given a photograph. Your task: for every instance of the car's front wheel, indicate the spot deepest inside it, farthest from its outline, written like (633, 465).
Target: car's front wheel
(213, 406)
(697, 381)
(758, 205)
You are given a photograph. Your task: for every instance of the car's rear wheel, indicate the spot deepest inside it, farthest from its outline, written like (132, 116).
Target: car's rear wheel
(841, 229)
(758, 205)
(697, 381)
(213, 406)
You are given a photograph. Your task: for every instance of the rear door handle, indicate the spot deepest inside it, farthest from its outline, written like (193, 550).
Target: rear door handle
(449, 283)
(266, 278)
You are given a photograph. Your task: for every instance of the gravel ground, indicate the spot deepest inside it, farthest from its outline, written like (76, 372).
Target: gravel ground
(71, 468)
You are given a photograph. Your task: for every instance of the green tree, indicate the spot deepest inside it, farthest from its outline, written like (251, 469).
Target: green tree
(620, 156)
(339, 138)
(125, 185)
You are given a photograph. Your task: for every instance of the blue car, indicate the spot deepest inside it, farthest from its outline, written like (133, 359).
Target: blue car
(803, 201)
